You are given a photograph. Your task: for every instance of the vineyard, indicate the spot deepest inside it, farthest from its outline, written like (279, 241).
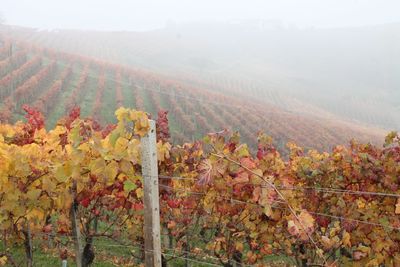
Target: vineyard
(220, 204)
(213, 57)
(54, 82)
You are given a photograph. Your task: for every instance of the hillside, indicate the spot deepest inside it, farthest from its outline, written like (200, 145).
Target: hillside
(346, 74)
(54, 82)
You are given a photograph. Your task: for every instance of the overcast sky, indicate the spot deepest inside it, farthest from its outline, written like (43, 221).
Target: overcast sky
(151, 14)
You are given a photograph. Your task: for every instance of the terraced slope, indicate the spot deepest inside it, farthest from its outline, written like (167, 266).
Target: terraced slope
(344, 74)
(54, 82)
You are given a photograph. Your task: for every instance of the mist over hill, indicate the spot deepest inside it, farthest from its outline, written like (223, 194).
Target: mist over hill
(345, 73)
(54, 82)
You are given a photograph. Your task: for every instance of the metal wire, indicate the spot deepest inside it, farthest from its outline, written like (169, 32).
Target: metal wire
(345, 218)
(340, 191)
(314, 213)
(301, 188)
(175, 178)
(182, 190)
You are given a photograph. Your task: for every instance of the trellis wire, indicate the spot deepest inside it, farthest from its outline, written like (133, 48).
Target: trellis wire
(300, 188)
(299, 210)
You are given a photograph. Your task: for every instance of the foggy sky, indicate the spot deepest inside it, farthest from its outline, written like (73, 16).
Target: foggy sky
(151, 14)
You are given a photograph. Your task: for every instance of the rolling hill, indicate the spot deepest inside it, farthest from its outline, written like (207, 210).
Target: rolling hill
(346, 74)
(54, 82)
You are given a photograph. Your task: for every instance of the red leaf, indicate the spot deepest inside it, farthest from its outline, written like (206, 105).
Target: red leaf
(85, 202)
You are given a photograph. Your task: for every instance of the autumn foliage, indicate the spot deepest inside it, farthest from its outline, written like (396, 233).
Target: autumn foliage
(217, 198)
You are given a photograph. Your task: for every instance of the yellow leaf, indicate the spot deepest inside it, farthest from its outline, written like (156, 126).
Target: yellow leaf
(126, 167)
(97, 166)
(242, 151)
(48, 184)
(142, 125)
(346, 239)
(5, 161)
(239, 246)
(7, 130)
(111, 171)
(63, 172)
(63, 201)
(397, 210)
(256, 177)
(121, 145)
(139, 193)
(360, 204)
(372, 263)
(3, 260)
(121, 113)
(163, 150)
(33, 194)
(35, 214)
(328, 243)
(266, 199)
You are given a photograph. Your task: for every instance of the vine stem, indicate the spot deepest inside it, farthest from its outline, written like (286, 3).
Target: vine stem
(280, 195)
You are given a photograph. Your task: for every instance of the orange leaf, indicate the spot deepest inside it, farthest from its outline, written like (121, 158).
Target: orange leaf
(243, 177)
(248, 163)
(397, 210)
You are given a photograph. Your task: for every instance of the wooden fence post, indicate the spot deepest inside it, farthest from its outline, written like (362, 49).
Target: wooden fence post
(152, 239)
(76, 232)
(28, 245)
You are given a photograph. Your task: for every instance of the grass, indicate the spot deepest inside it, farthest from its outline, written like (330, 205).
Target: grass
(59, 109)
(108, 103)
(109, 253)
(87, 99)
(106, 254)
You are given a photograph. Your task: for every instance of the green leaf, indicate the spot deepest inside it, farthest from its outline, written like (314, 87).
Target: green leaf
(384, 221)
(114, 137)
(74, 136)
(243, 151)
(129, 186)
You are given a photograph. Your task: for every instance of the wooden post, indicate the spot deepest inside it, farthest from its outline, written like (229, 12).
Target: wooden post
(50, 236)
(5, 239)
(75, 228)
(152, 239)
(28, 245)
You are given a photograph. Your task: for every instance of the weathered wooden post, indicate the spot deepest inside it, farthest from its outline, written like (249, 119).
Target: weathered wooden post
(152, 237)
(28, 245)
(76, 232)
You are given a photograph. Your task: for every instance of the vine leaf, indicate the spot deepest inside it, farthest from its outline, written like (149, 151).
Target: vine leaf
(302, 226)
(204, 169)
